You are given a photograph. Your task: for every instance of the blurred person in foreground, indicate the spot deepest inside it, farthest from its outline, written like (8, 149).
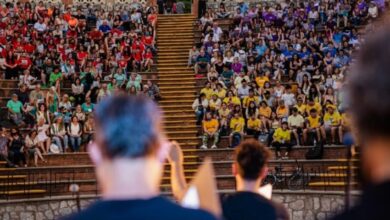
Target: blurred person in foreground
(368, 90)
(129, 153)
(250, 167)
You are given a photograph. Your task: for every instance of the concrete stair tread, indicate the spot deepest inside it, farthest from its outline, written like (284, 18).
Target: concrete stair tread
(22, 192)
(319, 184)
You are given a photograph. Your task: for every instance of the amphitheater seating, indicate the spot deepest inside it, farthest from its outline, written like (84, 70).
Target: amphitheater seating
(176, 35)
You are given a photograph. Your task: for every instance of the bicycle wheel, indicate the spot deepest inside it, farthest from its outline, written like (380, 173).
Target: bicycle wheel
(296, 182)
(269, 179)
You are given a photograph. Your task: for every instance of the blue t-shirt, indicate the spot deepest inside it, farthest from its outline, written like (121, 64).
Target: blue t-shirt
(139, 209)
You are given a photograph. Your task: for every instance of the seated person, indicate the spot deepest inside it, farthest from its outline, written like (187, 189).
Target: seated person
(254, 126)
(282, 138)
(210, 130)
(237, 124)
(296, 123)
(313, 125)
(202, 62)
(332, 122)
(15, 108)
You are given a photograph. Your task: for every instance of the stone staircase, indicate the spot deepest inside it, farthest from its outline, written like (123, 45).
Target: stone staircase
(175, 36)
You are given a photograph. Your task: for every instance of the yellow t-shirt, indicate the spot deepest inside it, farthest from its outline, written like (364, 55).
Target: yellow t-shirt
(224, 113)
(237, 124)
(282, 136)
(261, 80)
(254, 124)
(208, 92)
(281, 112)
(266, 112)
(234, 100)
(248, 99)
(210, 126)
(314, 122)
(332, 119)
(214, 104)
(316, 106)
(301, 109)
(221, 94)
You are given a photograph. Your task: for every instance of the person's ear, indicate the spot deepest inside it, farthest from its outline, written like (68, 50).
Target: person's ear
(163, 150)
(264, 172)
(234, 169)
(94, 153)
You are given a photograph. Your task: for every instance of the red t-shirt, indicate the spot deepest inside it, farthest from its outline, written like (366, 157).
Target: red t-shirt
(148, 55)
(29, 48)
(148, 40)
(122, 63)
(82, 55)
(24, 62)
(95, 34)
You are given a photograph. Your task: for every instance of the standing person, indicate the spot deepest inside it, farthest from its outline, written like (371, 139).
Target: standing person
(4, 147)
(116, 153)
(201, 8)
(370, 112)
(249, 168)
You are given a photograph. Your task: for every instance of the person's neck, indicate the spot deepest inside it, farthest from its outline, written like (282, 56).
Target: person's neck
(247, 185)
(122, 179)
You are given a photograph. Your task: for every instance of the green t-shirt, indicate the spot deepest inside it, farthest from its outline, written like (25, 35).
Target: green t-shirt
(16, 107)
(54, 77)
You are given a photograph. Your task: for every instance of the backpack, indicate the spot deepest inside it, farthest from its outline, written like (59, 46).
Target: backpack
(315, 152)
(263, 138)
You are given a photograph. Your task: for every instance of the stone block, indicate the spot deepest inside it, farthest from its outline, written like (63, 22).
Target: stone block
(325, 204)
(43, 207)
(309, 215)
(27, 215)
(65, 211)
(54, 205)
(297, 205)
(49, 214)
(63, 204)
(297, 215)
(316, 203)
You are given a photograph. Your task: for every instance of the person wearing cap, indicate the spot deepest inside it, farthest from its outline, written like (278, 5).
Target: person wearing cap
(15, 108)
(282, 138)
(332, 122)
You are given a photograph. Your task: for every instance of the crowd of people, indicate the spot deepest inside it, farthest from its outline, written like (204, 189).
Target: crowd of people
(66, 59)
(277, 72)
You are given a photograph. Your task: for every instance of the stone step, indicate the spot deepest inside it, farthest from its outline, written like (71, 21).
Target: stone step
(174, 102)
(179, 54)
(177, 34)
(169, 82)
(177, 75)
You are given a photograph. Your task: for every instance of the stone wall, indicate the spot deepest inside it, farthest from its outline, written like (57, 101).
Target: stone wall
(299, 206)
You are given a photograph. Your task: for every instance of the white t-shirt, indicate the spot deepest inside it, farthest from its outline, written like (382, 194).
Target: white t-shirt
(289, 99)
(296, 121)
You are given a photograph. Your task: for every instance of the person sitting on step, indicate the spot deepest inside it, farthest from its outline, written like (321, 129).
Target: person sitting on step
(210, 130)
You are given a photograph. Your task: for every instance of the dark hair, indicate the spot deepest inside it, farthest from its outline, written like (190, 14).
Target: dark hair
(369, 84)
(251, 157)
(129, 126)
